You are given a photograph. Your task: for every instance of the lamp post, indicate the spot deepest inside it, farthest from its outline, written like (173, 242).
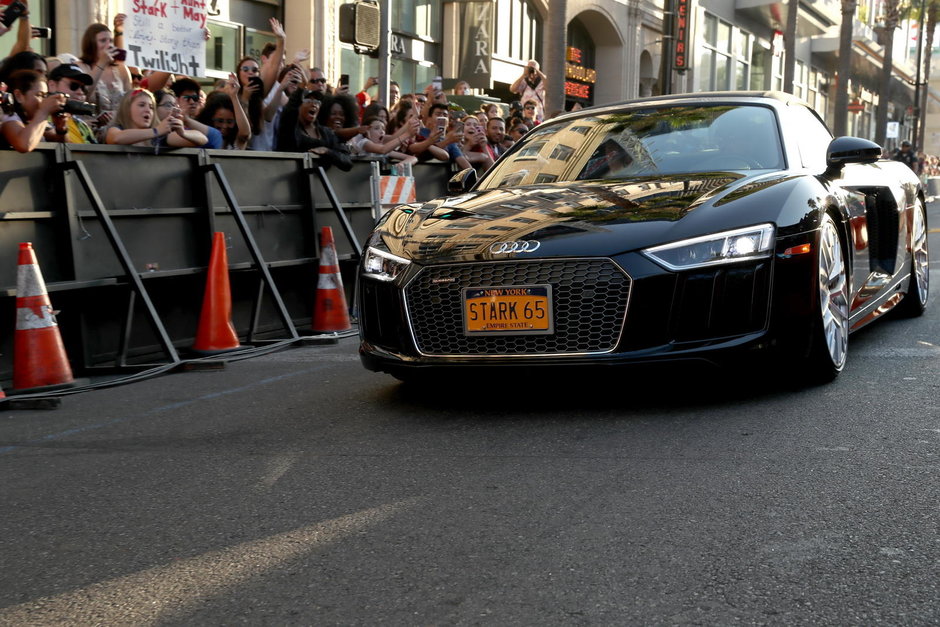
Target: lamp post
(920, 50)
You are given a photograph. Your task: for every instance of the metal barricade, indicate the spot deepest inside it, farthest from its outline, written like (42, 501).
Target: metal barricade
(123, 240)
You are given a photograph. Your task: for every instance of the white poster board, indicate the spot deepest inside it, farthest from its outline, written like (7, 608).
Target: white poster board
(166, 35)
(894, 128)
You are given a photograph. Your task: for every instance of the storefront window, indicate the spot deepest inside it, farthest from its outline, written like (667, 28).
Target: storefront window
(742, 54)
(760, 61)
(359, 67)
(724, 57)
(37, 17)
(706, 67)
(776, 72)
(255, 41)
(519, 34)
(417, 17)
(223, 50)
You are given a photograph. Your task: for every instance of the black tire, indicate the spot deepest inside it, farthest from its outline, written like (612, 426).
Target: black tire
(829, 348)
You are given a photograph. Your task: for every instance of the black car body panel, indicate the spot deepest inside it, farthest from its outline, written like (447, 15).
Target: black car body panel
(599, 243)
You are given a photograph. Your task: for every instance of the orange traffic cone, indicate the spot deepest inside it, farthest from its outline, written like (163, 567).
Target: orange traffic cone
(39, 358)
(330, 312)
(216, 332)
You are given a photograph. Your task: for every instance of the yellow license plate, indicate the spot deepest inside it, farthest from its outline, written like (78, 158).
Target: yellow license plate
(510, 310)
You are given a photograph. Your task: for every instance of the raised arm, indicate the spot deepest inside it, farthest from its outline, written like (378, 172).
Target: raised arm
(241, 118)
(24, 32)
(272, 66)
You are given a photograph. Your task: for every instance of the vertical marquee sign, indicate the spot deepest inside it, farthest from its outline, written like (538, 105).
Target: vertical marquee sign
(580, 80)
(476, 39)
(681, 49)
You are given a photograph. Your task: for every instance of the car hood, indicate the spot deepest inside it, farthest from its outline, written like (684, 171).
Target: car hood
(586, 218)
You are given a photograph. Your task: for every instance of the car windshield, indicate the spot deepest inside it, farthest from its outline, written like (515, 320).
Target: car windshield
(644, 142)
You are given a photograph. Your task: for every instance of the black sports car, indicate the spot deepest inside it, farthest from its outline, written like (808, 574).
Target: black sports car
(694, 227)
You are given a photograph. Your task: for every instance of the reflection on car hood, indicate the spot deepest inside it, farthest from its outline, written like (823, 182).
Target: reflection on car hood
(587, 218)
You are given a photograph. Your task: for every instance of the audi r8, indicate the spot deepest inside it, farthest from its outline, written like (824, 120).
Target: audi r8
(717, 227)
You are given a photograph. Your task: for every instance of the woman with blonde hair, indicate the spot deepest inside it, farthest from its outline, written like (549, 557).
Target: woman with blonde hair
(136, 123)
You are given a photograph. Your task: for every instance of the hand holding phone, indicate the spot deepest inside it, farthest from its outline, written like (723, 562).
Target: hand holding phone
(344, 80)
(13, 12)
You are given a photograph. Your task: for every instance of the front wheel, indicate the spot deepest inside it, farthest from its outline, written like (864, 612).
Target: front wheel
(831, 329)
(915, 300)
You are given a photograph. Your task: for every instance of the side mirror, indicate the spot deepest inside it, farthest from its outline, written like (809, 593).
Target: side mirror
(462, 181)
(844, 150)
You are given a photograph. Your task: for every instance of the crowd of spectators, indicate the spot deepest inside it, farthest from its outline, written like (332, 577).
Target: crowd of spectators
(266, 103)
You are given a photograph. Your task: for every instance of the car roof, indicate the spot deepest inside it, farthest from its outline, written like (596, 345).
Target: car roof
(767, 97)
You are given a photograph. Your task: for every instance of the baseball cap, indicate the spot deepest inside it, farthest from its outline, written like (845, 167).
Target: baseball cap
(68, 70)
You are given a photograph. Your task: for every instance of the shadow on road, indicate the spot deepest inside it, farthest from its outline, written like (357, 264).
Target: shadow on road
(502, 391)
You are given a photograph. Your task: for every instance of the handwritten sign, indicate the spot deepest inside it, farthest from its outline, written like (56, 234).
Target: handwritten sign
(166, 35)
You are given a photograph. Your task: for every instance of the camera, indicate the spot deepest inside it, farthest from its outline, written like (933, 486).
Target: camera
(6, 102)
(78, 107)
(42, 32)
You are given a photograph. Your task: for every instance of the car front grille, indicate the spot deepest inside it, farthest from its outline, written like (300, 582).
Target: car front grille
(589, 301)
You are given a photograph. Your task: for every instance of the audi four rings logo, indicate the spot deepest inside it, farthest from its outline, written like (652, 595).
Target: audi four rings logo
(520, 246)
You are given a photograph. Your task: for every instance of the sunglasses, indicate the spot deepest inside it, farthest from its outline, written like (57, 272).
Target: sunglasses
(190, 98)
(224, 121)
(530, 107)
(251, 68)
(422, 100)
(317, 80)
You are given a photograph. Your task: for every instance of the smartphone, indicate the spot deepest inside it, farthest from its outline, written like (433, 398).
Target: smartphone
(13, 12)
(119, 54)
(344, 80)
(42, 32)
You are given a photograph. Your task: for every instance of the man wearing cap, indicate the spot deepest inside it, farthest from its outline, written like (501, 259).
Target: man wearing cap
(906, 155)
(68, 79)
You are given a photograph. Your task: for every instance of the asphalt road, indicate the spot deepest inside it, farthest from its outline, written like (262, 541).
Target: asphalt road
(297, 488)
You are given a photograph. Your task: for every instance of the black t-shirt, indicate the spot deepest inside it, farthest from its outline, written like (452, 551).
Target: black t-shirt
(908, 158)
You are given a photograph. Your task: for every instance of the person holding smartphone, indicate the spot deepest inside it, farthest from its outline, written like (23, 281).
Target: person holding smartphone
(473, 145)
(104, 62)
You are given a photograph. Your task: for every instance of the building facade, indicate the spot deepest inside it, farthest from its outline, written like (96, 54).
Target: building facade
(615, 49)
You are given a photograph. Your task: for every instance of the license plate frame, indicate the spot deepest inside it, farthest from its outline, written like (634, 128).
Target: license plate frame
(501, 310)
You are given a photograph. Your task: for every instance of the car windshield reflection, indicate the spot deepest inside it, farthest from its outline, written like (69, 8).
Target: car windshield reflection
(645, 142)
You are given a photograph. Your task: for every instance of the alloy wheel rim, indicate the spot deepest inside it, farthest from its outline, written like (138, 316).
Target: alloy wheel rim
(833, 294)
(920, 254)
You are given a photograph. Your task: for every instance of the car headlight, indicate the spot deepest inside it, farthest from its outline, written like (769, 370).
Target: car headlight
(381, 265)
(753, 242)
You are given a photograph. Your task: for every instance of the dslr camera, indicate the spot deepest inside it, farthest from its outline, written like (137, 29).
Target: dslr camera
(78, 107)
